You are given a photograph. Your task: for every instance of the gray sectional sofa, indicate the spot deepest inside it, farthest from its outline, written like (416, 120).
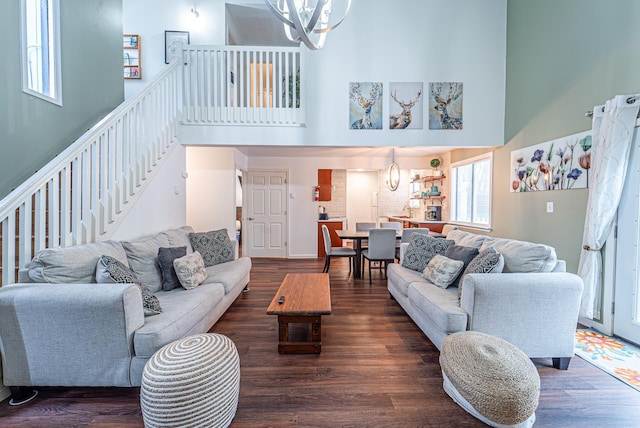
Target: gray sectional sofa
(58, 327)
(531, 302)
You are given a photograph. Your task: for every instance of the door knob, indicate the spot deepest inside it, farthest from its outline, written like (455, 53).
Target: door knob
(250, 218)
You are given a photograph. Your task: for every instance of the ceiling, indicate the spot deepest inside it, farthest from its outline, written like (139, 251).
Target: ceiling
(255, 25)
(334, 152)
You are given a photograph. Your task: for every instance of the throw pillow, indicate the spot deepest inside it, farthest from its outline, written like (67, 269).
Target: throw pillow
(442, 271)
(488, 261)
(190, 270)
(462, 253)
(214, 246)
(111, 271)
(166, 256)
(421, 250)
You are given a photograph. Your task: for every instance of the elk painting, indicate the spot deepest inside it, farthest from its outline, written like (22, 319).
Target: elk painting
(445, 105)
(405, 105)
(365, 108)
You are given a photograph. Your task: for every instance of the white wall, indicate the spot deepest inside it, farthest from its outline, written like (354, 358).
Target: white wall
(162, 204)
(413, 41)
(211, 189)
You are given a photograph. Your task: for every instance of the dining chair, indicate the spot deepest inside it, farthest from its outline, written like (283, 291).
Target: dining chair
(361, 227)
(448, 228)
(406, 237)
(335, 251)
(382, 248)
(391, 225)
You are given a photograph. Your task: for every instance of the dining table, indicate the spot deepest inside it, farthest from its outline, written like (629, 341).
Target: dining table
(358, 236)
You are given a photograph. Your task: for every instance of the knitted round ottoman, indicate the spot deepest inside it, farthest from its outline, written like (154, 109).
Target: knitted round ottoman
(192, 382)
(490, 378)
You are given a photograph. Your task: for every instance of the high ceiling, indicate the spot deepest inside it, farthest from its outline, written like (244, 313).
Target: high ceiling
(255, 25)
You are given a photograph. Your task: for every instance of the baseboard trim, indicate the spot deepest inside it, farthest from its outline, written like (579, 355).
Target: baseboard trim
(5, 392)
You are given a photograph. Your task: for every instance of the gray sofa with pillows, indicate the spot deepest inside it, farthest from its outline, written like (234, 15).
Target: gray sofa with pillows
(92, 315)
(518, 291)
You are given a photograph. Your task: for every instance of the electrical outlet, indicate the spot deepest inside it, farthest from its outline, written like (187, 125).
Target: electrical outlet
(549, 207)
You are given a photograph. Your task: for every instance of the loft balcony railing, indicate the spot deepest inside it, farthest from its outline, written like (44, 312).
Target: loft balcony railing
(79, 196)
(243, 85)
(76, 197)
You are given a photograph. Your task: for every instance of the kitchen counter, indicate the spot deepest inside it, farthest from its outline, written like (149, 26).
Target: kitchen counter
(336, 219)
(416, 220)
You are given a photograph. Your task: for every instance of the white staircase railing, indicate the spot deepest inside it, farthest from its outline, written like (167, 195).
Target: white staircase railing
(75, 197)
(243, 85)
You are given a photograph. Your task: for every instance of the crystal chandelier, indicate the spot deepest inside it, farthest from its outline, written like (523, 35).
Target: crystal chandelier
(305, 20)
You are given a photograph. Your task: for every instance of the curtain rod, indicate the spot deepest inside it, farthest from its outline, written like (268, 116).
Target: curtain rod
(630, 100)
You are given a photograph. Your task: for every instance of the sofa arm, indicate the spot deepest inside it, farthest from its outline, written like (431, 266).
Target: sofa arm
(537, 312)
(68, 334)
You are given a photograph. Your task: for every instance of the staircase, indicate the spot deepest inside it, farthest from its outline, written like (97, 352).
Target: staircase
(79, 196)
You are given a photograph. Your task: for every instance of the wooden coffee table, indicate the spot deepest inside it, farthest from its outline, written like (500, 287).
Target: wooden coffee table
(306, 298)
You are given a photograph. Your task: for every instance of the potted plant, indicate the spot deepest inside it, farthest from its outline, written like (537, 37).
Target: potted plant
(435, 163)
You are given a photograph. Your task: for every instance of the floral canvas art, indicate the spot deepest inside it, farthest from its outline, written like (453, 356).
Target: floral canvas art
(365, 105)
(555, 165)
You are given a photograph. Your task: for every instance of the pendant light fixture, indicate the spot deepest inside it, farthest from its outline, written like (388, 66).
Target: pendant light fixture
(305, 20)
(393, 174)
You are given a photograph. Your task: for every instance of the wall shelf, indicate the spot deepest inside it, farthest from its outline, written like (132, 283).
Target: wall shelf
(429, 179)
(131, 56)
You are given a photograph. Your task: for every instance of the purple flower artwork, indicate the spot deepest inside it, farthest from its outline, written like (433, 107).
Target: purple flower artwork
(555, 165)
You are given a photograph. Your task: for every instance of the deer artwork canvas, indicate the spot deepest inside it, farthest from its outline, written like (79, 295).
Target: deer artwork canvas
(405, 105)
(365, 105)
(445, 105)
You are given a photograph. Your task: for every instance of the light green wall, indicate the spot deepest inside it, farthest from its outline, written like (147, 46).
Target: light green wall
(33, 131)
(563, 57)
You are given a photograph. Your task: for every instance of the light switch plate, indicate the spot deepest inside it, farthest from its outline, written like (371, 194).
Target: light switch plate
(549, 207)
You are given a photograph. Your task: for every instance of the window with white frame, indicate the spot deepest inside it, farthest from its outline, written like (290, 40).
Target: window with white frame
(471, 191)
(41, 49)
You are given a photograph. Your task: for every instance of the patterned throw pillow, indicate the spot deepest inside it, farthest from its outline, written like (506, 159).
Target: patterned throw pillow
(441, 271)
(166, 256)
(190, 270)
(215, 247)
(111, 271)
(488, 261)
(421, 250)
(462, 253)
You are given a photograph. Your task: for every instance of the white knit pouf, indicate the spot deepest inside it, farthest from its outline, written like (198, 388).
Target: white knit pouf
(490, 378)
(192, 382)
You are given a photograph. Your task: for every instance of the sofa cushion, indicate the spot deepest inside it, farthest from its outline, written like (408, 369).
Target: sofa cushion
(166, 256)
(214, 246)
(75, 264)
(403, 277)
(521, 256)
(143, 259)
(180, 237)
(112, 271)
(190, 270)
(183, 309)
(442, 271)
(462, 253)
(440, 305)
(421, 250)
(487, 261)
(466, 239)
(229, 274)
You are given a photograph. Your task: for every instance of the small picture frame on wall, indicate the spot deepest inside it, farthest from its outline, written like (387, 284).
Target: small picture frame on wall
(173, 42)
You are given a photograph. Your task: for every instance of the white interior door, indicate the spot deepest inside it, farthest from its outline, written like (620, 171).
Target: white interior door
(265, 214)
(626, 318)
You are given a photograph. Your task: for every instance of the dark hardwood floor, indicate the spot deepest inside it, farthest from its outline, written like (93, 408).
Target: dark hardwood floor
(376, 369)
